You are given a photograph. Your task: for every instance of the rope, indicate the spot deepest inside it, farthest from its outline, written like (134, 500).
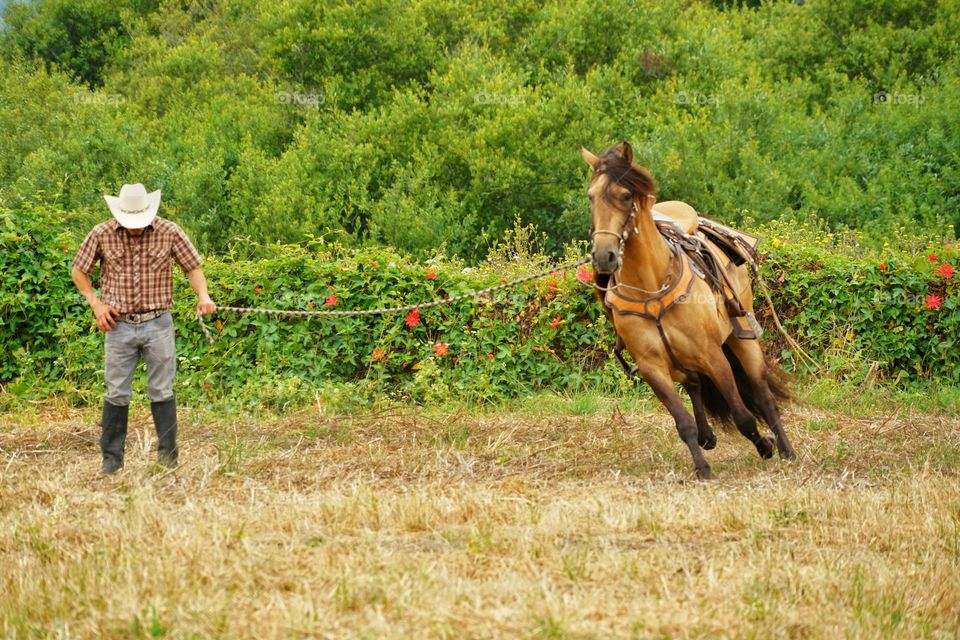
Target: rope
(806, 358)
(387, 310)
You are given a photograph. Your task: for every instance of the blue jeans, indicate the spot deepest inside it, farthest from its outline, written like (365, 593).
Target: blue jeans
(126, 344)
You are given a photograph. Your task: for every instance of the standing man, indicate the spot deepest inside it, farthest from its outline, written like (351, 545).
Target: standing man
(136, 281)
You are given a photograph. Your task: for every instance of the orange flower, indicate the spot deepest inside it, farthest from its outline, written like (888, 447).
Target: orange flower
(440, 349)
(584, 275)
(379, 355)
(413, 318)
(551, 285)
(555, 322)
(883, 266)
(932, 257)
(946, 270)
(934, 301)
(431, 274)
(331, 301)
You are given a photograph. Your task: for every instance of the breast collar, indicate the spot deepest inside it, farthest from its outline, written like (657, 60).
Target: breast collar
(677, 289)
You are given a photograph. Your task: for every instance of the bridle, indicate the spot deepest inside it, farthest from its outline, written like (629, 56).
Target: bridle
(622, 236)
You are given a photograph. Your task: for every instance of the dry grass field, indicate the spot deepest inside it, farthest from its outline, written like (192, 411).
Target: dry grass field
(521, 524)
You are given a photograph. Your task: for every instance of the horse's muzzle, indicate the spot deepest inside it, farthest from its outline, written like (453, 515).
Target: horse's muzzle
(605, 261)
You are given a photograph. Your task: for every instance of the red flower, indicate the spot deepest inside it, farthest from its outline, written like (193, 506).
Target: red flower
(431, 274)
(379, 355)
(413, 318)
(440, 349)
(584, 275)
(946, 270)
(490, 356)
(551, 285)
(932, 257)
(256, 290)
(934, 301)
(883, 266)
(555, 322)
(331, 301)
(503, 280)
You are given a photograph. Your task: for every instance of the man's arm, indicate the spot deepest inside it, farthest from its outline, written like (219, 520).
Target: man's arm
(198, 281)
(105, 314)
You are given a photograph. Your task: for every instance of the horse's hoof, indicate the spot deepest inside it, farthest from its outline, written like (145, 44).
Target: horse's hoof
(704, 473)
(787, 453)
(708, 443)
(765, 447)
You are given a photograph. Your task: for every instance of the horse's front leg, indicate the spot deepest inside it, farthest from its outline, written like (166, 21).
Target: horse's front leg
(705, 436)
(662, 386)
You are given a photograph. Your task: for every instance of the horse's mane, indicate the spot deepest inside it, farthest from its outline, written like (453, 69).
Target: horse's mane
(621, 170)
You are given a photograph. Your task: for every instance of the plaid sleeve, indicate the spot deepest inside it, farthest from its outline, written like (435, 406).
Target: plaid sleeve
(88, 254)
(184, 252)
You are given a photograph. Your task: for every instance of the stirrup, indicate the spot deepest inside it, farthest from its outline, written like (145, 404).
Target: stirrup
(753, 330)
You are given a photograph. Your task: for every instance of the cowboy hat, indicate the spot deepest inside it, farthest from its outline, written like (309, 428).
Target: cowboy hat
(134, 208)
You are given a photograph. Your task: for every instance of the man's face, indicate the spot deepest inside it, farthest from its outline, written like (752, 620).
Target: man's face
(135, 232)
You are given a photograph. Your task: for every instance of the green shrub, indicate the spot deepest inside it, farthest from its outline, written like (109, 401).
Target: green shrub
(44, 326)
(849, 311)
(431, 126)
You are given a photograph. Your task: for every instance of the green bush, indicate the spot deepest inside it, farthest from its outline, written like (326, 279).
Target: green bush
(849, 311)
(430, 127)
(80, 37)
(44, 326)
(896, 309)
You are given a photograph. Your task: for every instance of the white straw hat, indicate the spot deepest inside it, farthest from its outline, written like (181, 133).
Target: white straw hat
(134, 208)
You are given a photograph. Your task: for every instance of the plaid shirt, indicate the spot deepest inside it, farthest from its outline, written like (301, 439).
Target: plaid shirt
(135, 271)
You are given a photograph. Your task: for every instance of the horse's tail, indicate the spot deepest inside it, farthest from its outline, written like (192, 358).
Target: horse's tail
(777, 381)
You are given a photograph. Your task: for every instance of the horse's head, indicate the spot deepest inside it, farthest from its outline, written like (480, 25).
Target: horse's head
(618, 190)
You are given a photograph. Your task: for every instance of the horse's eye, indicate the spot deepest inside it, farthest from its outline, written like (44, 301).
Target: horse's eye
(625, 196)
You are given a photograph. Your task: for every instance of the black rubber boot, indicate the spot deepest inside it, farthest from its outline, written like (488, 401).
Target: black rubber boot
(165, 421)
(113, 436)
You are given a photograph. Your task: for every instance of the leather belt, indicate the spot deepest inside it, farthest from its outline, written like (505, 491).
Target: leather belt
(137, 318)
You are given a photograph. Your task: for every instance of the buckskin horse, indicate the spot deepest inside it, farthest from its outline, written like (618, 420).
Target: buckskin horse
(680, 312)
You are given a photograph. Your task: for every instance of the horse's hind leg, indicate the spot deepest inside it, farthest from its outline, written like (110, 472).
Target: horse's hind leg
(751, 358)
(722, 376)
(705, 435)
(663, 387)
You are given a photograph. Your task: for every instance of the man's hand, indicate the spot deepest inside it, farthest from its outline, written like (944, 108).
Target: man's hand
(106, 316)
(205, 307)
(199, 283)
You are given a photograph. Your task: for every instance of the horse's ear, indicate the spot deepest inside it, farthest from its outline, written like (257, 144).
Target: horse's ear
(626, 151)
(589, 158)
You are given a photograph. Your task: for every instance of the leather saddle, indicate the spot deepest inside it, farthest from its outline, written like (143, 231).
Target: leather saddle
(677, 212)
